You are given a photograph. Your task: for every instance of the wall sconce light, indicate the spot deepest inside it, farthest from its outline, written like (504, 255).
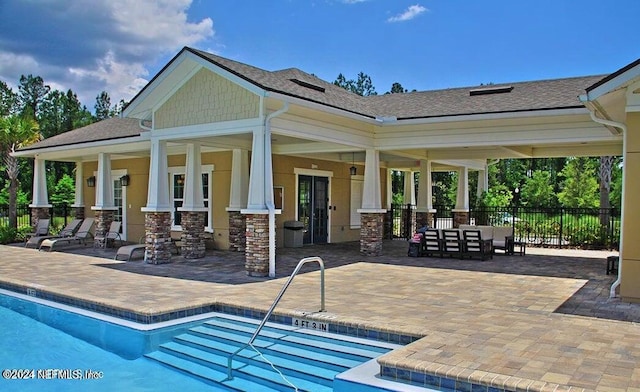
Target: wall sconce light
(353, 170)
(124, 180)
(91, 181)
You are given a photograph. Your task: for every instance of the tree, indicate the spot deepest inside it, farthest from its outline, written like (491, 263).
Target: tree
(363, 86)
(8, 100)
(537, 190)
(103, 106)
(497, 196)
(397, 88)
(580, 186)
(32, 92)
(64, 191)
(15, 132)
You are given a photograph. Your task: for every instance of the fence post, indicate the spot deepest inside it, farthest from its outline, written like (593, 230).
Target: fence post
(561, 223)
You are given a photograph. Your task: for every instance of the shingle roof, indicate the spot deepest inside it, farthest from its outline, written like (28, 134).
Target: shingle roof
(523, 96)
(111, 128)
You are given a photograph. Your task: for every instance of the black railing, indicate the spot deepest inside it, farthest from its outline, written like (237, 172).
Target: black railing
(592, 228)
(59, 215)
(587, 228)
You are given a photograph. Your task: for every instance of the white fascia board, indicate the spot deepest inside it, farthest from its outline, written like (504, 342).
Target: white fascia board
(490, 116)
(473, 164)
(205, 130)
(150, 88)
(306, 131)
(91, 145)
(322, 107)
(616, 83)
(228, 75)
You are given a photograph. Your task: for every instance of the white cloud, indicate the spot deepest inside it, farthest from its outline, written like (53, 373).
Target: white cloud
(90, 46)
(408, 14)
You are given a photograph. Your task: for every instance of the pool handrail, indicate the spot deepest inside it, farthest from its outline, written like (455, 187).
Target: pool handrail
(275, 302)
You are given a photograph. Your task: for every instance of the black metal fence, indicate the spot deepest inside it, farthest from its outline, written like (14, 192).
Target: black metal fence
(587, 228)
(59, 214)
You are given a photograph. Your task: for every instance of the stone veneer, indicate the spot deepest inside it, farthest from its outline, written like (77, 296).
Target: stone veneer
(157, 227)
(237, 231)
(460, 218)
(257, 250)
(371, 233)
(192, 237)
(78, 212)
(103, 221)
(38, 213)
(425, 218)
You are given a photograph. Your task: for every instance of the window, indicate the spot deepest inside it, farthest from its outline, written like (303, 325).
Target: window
(357, 183)
(176, 181)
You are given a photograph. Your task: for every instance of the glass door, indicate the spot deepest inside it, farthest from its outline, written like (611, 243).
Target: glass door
(313, 199)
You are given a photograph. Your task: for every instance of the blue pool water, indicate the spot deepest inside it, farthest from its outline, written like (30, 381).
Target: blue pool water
(28, 344)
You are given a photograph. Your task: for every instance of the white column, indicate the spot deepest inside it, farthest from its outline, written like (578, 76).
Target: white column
(425, 190)
(256, 202)
(79, 195)
(462, 197)
(483, 181)
(158, 188)
(239, 180)
(104, 185)
(409, 188)
(389, 188)
(40, 194)
(193, 198)
(371, 193)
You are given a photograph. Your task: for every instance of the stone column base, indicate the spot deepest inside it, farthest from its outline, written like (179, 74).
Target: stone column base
(371, 233)
(237, 231)
(157, 227)
(38, 213)
(460, 218)
(78, 212)
(257, 245)
(193, 246)
(425, 219)
(103, 221)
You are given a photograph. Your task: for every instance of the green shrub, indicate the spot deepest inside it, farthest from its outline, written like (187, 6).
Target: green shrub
(8, 235)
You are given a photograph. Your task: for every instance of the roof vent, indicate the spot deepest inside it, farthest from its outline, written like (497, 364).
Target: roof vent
(308, 85)
(490, 90)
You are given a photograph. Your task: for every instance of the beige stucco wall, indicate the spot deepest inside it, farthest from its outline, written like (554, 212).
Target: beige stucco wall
(206, 98)
(630, 284)
(284, 176)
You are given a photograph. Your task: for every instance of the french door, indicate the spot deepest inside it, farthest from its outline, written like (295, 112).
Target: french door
(313, 200)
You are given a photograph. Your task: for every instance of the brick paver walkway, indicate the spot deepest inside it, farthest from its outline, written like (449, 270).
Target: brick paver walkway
(538, 322)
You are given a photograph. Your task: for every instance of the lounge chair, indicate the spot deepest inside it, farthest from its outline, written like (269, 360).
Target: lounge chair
(110, 236)
(127, 251)
(41, 229)
(68, 231)
(503, 239)
(83, 234)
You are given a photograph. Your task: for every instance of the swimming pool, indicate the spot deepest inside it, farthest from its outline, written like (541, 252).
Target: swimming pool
(107, 356)
(37, 357)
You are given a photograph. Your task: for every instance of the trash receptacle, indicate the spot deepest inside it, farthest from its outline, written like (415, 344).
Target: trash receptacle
(293, 234)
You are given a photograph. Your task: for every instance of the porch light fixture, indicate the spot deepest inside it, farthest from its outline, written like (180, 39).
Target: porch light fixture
(91, 181)
(124, 180)
(353, 170)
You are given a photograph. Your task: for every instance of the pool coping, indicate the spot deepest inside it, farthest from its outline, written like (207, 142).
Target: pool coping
(394, 366)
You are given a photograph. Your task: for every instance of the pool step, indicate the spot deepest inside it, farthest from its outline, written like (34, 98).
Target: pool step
(310, 361)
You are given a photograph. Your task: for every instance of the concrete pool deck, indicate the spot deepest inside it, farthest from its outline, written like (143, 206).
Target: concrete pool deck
(540, 322)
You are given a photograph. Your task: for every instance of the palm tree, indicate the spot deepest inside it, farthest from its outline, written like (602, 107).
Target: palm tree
(15, 132)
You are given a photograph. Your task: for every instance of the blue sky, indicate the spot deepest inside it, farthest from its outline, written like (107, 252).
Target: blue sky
(118, 45)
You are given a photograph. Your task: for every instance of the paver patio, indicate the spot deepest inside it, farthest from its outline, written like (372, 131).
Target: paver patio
(537, 322)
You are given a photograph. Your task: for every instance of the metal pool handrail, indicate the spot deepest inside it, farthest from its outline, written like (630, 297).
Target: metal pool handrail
(275, 302)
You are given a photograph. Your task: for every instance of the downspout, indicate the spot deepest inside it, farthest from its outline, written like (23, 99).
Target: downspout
(269, 190)
(623, 127)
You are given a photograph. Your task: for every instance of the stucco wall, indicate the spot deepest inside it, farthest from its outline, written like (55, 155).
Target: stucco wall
(630, 287)
(206, 98)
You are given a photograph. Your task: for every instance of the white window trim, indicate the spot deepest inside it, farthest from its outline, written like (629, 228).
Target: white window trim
(355, 201)
(298, 171)
(173, 170)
